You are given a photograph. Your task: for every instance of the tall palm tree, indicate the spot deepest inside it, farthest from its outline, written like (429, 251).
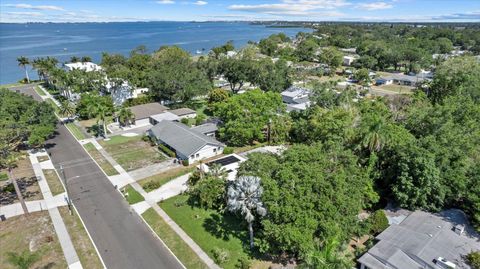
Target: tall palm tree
(100, 111)
(67, 109)
(374, 134)
(23, 260)
(244, 196)
(23, 62)
(10, 163)
(126, 116)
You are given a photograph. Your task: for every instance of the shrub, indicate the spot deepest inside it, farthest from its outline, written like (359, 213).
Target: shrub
(243, 263)
(167, 151)
(209, 193)
(3, 176)
(185, 121)
(220, 256)
(378, 222)
(139, 101)
(199, 119)
(185, 162)
(152, 185)
(227, 150)
(473, 259)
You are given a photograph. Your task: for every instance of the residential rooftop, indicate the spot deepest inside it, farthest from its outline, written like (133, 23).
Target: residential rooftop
(182, 111)
(420, 239)
(146, 110)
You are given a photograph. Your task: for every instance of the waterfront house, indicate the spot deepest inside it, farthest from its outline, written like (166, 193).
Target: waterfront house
(85, 66)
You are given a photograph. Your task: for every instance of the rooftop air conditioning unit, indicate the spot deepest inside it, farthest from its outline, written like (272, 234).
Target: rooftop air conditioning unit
(445, 264)
(459, 229)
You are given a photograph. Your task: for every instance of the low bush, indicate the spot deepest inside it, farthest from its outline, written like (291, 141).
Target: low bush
(152, 185)
(185, 162)
(473, 259)
(227, 150)
(244, 263)
(220, 256)
(167, 151)
(3, 176)
(378, 222)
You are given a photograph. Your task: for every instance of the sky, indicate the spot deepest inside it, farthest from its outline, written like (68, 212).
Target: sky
(211, 10)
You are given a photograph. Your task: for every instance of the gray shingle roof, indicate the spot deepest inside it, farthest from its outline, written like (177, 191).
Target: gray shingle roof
(146, 110)
(181, 138)
(206, 128)
(420, 239)
(182, 111)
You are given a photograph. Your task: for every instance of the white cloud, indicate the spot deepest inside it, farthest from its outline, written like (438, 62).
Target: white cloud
(294, 7)
(375, 6)
(200, 3)
(27, 6)
(33, 14)
(165, 2)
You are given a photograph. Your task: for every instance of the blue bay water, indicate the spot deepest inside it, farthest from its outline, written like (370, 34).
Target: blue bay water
(63, 40)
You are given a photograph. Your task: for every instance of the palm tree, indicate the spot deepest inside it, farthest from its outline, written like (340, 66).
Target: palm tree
(244, 196)
(10, 163)
(23, 260)
(326, 257)
(126, 117)
(67, 108)
(74, 59)
(374, 134)
(23, 62)
(100, 111)
(85, 59)
(217, 171)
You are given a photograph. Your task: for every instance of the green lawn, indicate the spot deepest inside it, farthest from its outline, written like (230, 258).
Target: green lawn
(210, 229)
(132, 152)
(75, 130)
(40, 91)
(156, 181)
(183, 252)
(104, 164)
(54, 106)
(132, 195)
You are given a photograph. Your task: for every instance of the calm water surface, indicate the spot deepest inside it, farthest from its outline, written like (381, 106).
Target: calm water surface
(63, 40)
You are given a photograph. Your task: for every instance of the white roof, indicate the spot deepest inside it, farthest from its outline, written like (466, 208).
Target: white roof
(165, 116)
(87, 66)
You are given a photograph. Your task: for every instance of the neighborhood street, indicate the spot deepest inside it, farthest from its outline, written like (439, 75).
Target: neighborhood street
(122, 238)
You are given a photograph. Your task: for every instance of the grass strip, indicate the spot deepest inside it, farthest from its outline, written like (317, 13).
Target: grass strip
(81, 242)
(53, 181)
(183, 252)
(132, 195)
(75, 131)
(98, 157)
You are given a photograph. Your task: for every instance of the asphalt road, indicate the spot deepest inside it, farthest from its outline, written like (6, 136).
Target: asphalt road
(122, 238)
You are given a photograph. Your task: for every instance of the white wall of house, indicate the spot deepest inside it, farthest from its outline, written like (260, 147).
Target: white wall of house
(206, 152)
(188, 116)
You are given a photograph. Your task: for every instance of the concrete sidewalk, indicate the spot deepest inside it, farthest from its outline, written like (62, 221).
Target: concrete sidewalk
(153, 169)
(33, 206)
(63, 237)
(172, 188)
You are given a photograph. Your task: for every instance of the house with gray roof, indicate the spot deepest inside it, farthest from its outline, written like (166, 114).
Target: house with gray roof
(424, 240)
(188, 143)
(296, 98)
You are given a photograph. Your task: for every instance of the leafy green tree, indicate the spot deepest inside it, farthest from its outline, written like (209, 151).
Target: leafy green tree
(86, 59)
(245, 117)
(326, 256)
(306, 50)
(126, 116)
(363, 76)
(332, 57)
(245, 197)
(473, 259)
(236, 72)
(74, 59)
(23, 260)
(175, 77)
(271, 76)
(378, 221)
(67, 108)
(23, 62)
(216, 96)
(305, 190)
(209, 193)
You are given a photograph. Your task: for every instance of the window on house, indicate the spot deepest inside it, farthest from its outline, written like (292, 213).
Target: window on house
(214, 150)
(197, 155)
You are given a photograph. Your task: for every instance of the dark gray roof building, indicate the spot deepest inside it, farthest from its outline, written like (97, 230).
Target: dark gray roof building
(206, 128)
(184, 140)
(183, 111)
(421, 239)
(146, 110)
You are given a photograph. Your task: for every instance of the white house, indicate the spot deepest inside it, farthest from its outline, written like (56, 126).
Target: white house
(296, 98)
(348, 60)
(188, 144)
(86, 66)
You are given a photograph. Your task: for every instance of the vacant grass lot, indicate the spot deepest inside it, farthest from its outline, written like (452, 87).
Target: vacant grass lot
(156, 181)
(210, 229)
(132, 195)
(183, 252)
(53, 181)
(75, 131)
(132, 152)
(35, 233)
(104, 164)
(81, 242)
